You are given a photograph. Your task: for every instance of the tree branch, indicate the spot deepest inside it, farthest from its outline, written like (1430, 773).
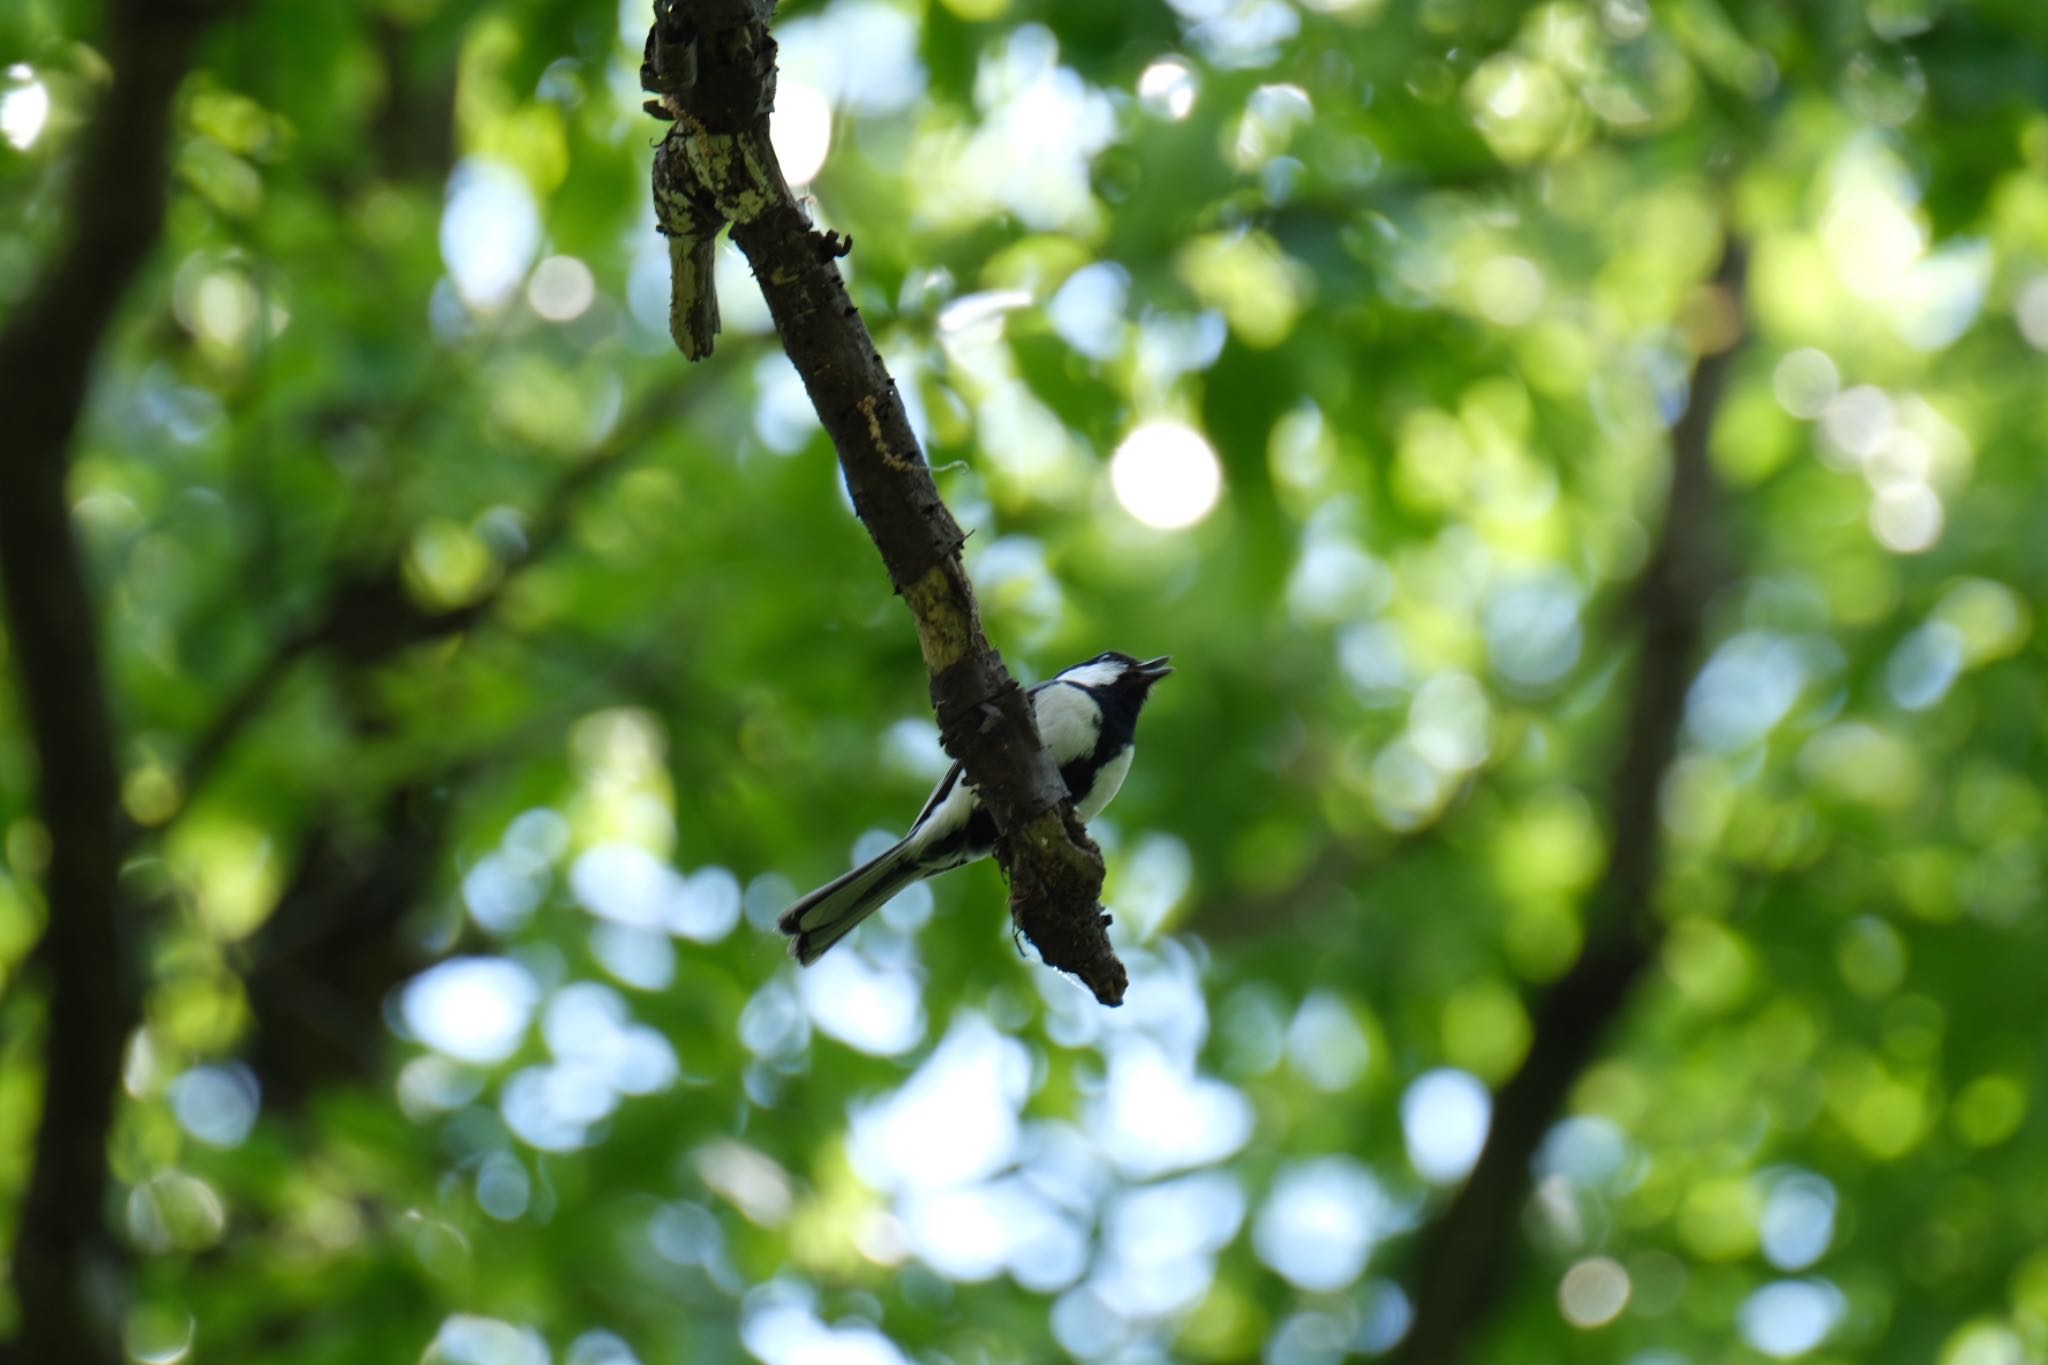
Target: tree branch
(1462, 1260)
(712, 65)
(66, 1265)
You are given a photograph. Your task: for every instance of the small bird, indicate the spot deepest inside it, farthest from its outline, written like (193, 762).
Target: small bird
(1087, 717)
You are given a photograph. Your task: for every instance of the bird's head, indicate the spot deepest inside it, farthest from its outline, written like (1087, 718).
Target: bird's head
(1114, 672)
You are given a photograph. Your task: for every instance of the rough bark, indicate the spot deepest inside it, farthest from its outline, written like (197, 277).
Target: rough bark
(711, 63)
(1463, 1259)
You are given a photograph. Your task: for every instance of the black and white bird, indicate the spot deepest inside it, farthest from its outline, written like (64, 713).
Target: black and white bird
(1087, 717)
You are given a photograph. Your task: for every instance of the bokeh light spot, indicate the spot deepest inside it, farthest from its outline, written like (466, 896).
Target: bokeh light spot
(467, 1339)
(1166, 475)
(24, 107)
(1906, 518)
(1798, 1221)
(801, 130)
(490, 230)
(474, 1009)
(1444, 1118)
(1989, 1109)
(158, 1334)
(1325, 1044)
(562, 289)
(871, 1006)
(1320, 1221)
(1805, 382)
(1508, 290)
(2031, 311)
(953, 1121)
(1791, 1317)
(216, 1104)
(1167, 88)
(1593, 1292)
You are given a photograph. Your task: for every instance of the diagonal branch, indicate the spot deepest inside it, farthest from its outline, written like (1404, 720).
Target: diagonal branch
(712, 65)
(66, 1265)
(1463, 1258)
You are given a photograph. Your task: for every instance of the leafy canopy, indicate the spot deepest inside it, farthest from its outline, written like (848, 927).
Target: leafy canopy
(1331, 346)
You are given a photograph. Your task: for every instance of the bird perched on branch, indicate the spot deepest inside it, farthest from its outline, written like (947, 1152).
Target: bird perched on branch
(1087, 717)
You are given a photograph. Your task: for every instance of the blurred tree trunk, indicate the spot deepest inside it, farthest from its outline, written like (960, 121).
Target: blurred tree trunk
(1465, 1256)
(68, 1267)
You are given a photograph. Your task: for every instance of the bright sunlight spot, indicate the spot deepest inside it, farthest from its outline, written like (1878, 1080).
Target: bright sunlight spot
(1165, 474)
(1444, 1117)
(489, 232)
(1791, 1317)
(1320, 1222)
(24, 108)
(472, 1008)
(1167, 88)
(801, 129)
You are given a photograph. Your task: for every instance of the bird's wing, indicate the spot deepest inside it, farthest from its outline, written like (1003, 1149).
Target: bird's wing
(939, 794)
(1068, 722)
(946, 783)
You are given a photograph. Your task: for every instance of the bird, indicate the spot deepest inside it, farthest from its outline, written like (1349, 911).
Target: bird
(1087, 717)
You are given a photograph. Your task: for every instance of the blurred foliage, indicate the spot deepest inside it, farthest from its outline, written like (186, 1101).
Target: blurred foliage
(1425, 279)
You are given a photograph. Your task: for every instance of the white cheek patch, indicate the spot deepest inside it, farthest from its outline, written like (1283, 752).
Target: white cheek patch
(1068, 721)
(1093, 675)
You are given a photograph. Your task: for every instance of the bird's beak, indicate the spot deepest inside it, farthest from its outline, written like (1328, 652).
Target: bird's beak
(1152, 670)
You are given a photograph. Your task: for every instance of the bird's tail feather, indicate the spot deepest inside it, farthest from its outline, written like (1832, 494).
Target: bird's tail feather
(830, 913)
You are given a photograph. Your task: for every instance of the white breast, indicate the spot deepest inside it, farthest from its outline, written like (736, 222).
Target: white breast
(1108, 778)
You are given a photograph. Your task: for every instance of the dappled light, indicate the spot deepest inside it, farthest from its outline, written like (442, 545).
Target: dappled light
(472, 1009)
(490, 230)
(24, 107)
(1581, 888)
(1444, 1116)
